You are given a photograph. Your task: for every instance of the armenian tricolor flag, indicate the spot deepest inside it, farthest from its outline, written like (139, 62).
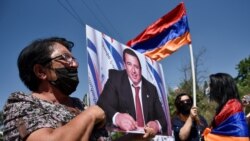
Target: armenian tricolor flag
(164, 36)
(230, 123)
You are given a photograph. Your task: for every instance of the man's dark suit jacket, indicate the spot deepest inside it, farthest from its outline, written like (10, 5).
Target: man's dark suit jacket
(117, 97)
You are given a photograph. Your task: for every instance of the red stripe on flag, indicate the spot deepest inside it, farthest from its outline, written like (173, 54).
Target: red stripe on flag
(160, 25)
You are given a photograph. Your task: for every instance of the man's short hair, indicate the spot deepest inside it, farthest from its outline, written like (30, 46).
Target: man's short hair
(130, 52)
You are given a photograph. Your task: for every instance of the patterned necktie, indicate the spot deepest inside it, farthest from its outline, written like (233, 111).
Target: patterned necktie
(139, 115)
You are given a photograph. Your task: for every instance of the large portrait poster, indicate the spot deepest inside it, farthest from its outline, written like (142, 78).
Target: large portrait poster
(105, 53)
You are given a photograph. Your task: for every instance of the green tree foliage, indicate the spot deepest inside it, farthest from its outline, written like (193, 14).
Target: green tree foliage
(171, 98)
(205, 108)
(243, 78)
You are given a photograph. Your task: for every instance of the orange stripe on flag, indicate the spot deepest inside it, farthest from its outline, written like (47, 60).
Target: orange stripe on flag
(214, 137)
(208, 136)
(169, 47)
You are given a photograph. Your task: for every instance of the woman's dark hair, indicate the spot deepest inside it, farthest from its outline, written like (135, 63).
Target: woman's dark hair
(38, 52)
(178, 101)
(222, 88)
(132, 53)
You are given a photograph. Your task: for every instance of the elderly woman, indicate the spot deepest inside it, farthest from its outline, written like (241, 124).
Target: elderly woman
(48, 113)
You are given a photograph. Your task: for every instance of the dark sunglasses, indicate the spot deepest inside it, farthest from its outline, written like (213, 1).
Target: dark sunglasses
(185, 101)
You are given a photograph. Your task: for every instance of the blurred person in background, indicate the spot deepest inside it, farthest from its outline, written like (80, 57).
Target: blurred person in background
(246, 103)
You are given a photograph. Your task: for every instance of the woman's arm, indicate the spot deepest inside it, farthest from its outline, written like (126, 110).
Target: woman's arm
(78, 129)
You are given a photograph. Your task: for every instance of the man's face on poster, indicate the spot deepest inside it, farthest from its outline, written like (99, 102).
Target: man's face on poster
(133, 68)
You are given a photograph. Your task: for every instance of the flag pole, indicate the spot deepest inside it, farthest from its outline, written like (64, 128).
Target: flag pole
(193, 73)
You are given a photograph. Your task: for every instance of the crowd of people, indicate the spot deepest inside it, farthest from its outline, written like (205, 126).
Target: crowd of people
(128, 101)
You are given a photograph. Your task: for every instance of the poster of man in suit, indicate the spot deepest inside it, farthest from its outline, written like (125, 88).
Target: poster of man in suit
(114, 70)
(118, 98)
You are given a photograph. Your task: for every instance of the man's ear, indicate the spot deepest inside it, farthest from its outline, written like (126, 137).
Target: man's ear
(39, 71)
(124, 65)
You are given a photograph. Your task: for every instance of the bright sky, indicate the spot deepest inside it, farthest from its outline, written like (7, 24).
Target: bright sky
(221, 27)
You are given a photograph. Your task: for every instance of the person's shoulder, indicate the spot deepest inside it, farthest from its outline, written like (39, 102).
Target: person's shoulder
(175, 117)
(176, 121)
(232, 102)
(75, 99)
(78, 103)
(147, 83)
(17, 101)
(17, 95)
(115, 73)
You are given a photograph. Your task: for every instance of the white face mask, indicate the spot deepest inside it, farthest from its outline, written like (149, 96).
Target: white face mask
(207, 93)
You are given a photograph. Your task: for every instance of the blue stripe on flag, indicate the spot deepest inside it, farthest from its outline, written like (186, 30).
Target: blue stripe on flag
(234, 125)
(170, 33)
